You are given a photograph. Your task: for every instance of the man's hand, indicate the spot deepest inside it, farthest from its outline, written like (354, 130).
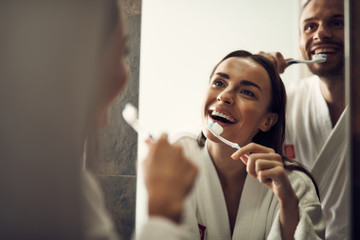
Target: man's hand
(277, 59)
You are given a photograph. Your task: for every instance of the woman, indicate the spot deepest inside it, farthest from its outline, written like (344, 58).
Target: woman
(64, 68)
(253, 193)
(166, 191)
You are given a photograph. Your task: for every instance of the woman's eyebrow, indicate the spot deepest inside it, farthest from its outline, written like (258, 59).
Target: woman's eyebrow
(243, 82)
(249, 83)
(223, 75)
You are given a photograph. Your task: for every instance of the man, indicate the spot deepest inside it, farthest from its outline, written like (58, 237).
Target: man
(316, 111)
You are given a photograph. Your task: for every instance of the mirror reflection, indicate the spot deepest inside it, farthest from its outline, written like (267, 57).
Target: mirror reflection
(181, 43)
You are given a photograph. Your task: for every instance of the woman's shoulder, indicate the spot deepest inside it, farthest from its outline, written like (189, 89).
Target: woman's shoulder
(304, 186)
(189, 143)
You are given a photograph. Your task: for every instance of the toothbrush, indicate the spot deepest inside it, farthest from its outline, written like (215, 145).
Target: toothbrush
(130, 114)
(318, 58)
(216, 130)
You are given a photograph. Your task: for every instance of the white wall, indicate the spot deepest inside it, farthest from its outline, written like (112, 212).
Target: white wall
(181, 42)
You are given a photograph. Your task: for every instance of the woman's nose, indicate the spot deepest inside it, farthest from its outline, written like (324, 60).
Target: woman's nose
(226, 97)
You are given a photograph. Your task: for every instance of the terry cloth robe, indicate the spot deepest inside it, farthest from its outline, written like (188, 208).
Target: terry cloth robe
(311, 140)
(99, 225)
(206, 214)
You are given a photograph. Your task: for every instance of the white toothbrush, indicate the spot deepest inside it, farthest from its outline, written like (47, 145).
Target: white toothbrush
(318, 58)
(216, 130)
(130, 114)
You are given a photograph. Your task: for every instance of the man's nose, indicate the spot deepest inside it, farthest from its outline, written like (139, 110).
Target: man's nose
(322, 33)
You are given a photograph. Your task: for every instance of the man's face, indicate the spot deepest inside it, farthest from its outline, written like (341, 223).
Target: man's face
(322, 31)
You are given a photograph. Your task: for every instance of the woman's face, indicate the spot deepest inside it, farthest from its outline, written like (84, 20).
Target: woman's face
(116, 73)
(238, 97)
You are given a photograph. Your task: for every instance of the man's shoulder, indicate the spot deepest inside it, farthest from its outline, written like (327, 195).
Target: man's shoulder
(303, 85)
(298, 93)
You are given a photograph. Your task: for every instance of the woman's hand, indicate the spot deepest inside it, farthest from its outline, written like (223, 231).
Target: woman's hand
(267, 166)
(169, 177)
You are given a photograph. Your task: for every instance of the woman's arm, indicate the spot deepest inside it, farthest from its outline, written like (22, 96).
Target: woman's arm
(169, 177)
(266, 165)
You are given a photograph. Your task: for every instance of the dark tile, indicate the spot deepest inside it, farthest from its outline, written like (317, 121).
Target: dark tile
(120, 199)
(131, 7)
(118, 141)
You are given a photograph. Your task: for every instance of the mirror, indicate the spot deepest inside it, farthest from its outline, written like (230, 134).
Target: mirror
(182, 40)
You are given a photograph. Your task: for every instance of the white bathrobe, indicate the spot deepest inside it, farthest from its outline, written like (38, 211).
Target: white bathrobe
(206, 214)
(311, 140)
(99, 225)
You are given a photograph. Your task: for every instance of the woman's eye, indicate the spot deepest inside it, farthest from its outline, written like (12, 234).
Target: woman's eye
(218, 83)
(248, 93)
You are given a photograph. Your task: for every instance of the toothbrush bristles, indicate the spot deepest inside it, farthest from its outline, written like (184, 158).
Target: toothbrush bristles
(319, 56)
(130, 114)
(216, 128)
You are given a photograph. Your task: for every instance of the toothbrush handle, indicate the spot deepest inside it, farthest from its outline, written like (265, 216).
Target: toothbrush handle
(140, 130)
(237, 147)
(291, 62)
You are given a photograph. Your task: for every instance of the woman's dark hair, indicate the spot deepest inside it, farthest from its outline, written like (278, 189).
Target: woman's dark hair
(273, 138)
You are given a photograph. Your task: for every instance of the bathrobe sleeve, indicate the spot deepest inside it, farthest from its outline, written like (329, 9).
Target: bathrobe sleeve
(311, 219)
(99, 225)
(162, 228)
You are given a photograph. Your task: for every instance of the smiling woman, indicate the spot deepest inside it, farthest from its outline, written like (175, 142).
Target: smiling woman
(242, 77)
(261, 189)
(181, 41)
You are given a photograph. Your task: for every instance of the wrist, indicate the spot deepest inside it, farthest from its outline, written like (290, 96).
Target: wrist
(289, 217)
(290, 203)
(165, 207)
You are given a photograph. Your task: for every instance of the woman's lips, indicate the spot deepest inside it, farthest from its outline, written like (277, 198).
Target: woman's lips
(223, 124)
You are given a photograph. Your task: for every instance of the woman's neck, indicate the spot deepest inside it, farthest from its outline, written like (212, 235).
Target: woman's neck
(229, 170)
(232, 175)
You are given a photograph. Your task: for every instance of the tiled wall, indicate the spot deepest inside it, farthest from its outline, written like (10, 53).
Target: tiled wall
(116, 168)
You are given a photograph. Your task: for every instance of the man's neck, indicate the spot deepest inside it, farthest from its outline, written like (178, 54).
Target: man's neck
(333, 91)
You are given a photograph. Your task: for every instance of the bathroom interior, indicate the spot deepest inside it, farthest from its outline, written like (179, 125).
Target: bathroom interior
(173, 45)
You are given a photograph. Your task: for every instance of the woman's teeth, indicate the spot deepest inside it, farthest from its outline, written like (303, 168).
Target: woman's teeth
(222, 117)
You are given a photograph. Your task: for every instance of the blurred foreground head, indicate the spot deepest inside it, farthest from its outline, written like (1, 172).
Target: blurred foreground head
(61, 66)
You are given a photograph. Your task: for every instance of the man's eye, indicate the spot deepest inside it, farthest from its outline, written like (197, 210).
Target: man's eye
(309, 27)
(338, 24)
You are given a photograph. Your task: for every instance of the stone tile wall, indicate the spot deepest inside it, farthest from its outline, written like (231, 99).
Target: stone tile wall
(116, 168)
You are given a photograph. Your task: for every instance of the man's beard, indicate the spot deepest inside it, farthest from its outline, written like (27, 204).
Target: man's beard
(335, 72)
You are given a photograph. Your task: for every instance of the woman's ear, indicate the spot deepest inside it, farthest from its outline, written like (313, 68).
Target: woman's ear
(269, 121)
